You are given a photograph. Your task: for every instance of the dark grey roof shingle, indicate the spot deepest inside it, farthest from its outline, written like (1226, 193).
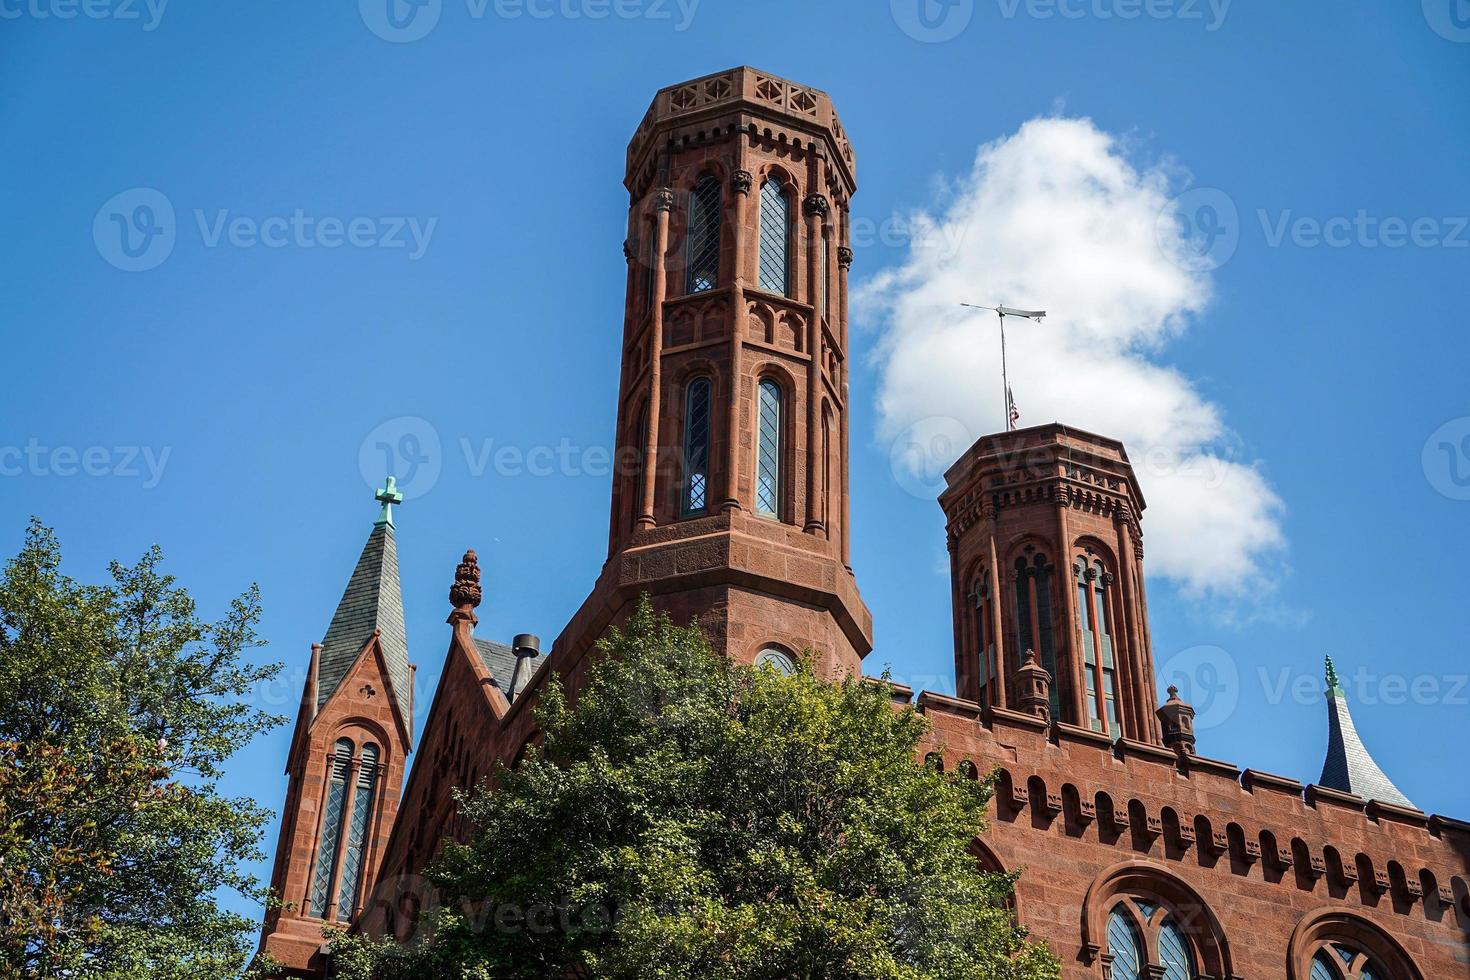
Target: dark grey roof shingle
(500, 660)
(373, 601)
(1348, 766)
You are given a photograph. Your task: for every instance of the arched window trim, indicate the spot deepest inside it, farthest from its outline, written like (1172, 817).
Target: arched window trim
(983, 596)
(702, 246)
(1173, 898)
(695, 488)
(1330, 929)
(770, 447)
(773, 265)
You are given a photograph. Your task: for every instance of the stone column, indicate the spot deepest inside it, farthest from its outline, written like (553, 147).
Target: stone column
(663, 203)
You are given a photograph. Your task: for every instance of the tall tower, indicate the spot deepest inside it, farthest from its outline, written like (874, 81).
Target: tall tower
(731, 498)
(1046, 555)
(346, 764)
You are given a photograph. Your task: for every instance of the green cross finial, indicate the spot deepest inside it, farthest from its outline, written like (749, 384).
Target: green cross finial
(389, 496)
(1332, 682)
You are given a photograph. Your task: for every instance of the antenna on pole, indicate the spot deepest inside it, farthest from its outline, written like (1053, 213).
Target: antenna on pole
(1011, 414)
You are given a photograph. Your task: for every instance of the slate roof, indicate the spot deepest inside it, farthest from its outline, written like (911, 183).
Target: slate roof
(373, 601)
(1348, 766)
(500, 660)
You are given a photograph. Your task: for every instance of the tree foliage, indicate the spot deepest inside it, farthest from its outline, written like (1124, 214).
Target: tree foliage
(689, 817)
(118, 708)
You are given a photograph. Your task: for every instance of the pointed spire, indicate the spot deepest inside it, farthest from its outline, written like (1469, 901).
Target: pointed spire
(1176, 719)
(1348, 766)
(371, 604)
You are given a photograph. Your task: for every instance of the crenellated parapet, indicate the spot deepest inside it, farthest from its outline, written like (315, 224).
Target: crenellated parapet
(1068, 801)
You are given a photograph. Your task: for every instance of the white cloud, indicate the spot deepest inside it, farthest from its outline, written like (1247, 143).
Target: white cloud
(1056, 217)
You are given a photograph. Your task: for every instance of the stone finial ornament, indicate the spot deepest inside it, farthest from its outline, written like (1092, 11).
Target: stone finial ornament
(1177, 719)
(1034, 684)
(465, 594)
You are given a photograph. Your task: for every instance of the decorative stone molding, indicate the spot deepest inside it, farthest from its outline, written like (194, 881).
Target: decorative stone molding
(663, 199)
(844, 256)
(741, 181)
(816, 204)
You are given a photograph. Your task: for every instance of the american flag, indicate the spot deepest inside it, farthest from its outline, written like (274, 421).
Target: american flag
(1013, 414)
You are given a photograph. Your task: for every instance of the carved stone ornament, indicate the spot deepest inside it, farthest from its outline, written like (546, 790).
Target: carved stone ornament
(816, 204)
(741, 181)
(466, 588)
(844, 256)
(663, 199)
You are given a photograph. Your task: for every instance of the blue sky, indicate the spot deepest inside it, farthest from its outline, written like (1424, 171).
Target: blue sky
(227, 401)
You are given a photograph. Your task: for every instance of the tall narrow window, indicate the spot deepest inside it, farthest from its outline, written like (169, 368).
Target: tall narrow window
(768, 453)
(1174, 953)
(331, 832)
(648, 263)
(362, 808)
(1094, 625)
(1034, 625)
(985, 639)
(825, 274)
(704, 236)
(775, 255)
(696, 447)
(641, 432)
(1124, 945)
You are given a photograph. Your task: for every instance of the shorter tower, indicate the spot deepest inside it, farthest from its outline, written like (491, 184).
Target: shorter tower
(346, 764)
(1046, 555)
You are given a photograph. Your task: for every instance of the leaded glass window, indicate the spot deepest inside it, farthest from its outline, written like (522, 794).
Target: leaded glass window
(1174, 953)
(1322, 968)
(768, 453)
(696, 447)
(703, 246)
(775, 250)
(1094, 624)
(1124, 945)
(776, 659)
(331, 833)
(362, 805)
(985, 638)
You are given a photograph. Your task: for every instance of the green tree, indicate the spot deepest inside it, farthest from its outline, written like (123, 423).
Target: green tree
(689, 817)
(118, 707)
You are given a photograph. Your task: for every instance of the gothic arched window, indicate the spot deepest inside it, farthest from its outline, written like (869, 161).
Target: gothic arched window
(357, 827)
(696, 447)
(1145, 941)
(984, 597)
(775, 250)
(1095, 626)
(703, 246)
(1340, 961)
(768, 451)
(777, 659)
(331, 831)
(1123, 944)
(1034, 624)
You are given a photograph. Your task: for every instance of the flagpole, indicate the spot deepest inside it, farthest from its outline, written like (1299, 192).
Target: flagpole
(1005, 375)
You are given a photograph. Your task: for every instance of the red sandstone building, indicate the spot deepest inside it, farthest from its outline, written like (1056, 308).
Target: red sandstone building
(1141, 858)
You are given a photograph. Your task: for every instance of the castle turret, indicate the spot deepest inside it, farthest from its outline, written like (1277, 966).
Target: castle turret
(1047, 556)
